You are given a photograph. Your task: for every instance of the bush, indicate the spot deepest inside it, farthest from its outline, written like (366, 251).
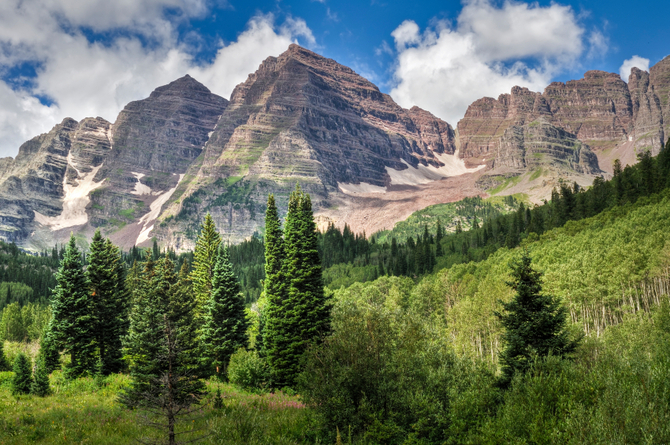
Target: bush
(387, 375)
(248, 370)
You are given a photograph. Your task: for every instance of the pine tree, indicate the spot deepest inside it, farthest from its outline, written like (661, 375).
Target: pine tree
(22, 375)
(107, 278)
(225, 329)
(535, 323)
(204, 257)
(73, 313)
(40, 385)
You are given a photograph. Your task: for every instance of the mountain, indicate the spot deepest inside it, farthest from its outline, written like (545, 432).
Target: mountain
(302, 118)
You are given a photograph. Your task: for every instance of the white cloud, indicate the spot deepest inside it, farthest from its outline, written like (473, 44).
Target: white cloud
(633, 62)
(489, 50)
(86, 78)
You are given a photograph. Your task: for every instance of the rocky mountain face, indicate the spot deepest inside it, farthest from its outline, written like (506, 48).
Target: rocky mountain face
(602, 111)
(302, 118)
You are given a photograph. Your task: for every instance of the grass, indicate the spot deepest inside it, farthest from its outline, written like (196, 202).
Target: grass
(509, 182)
(85, 411)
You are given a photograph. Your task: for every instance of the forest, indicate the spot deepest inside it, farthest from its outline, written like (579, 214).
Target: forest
(483, 322)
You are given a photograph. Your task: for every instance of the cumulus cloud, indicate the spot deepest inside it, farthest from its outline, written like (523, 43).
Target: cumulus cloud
(84, 77)
(633, 62)
(486, 52)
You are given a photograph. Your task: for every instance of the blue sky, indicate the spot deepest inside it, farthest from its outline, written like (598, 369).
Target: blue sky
(80, 58)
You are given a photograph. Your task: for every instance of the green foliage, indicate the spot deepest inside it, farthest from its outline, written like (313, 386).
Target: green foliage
(303, 315)
(23, 323)
(22, 375)
(162, 337)
(534, 323)
(225, 329)
(463, 212)
(387, 374)
(106, 276)
(79, 411)
(204, 257)
(73, 309)
(49, 350)
(40, 385)
(4, 364)
(248, 370)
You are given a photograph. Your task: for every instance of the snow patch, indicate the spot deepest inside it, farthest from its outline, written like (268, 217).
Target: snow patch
(363, 187)
(453, 166)
(75, 200)
(147, 221)
(140, 189)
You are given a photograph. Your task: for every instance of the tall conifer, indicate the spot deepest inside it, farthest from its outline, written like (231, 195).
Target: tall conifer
(307, 311)
(204, 257)
(274, 335)
(161, 301)
(73, 313)
(225, 329)
(535, 323)
(106, 276)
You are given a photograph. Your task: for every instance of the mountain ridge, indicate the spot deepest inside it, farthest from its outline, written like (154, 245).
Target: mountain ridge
(304, 118)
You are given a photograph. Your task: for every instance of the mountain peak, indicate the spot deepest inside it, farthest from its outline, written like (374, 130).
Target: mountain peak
(185, 85)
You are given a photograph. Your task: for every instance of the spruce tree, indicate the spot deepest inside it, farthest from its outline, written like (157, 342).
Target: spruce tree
(40, 385)
(161, 344)
(106, 276)
(274, 335)
(163, 305)
(225, 329)
(49, 350)
(534, 323)
(22, 375)
(204, 257)
(307, 313)
(74, 313)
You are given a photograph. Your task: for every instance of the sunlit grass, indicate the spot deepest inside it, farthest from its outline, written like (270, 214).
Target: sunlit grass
(87, 411)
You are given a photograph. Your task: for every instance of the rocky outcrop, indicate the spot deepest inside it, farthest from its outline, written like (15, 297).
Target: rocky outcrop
(35, 182)
(539, 144)
(600, 110)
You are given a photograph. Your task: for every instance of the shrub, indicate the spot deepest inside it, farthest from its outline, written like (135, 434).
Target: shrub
(248, 370)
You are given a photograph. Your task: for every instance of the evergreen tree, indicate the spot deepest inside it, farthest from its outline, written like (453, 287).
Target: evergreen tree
(204, 257)
(22, 375)
(106, 276)
(73, 313)
(535, 323)
(181, 311)
(49, 351)
(274, 335)
(40, 385)
(162, 339)
(306, 313)
(439, 234)
(225, 329)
